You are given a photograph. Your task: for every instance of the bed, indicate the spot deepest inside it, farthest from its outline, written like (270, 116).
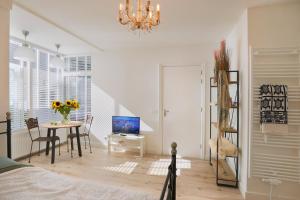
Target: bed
(26, 182)
(23, 182)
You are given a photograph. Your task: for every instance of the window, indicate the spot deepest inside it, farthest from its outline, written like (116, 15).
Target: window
(77, 84)
(18, 95)
(33, 88)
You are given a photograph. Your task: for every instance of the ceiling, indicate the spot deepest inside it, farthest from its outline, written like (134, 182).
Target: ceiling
(88, 25)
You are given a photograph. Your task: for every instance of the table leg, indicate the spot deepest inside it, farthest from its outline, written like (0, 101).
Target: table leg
(53, 146)
(141, 148)
(47, 144)
(109, 144)
(71, 138)
(78, 141)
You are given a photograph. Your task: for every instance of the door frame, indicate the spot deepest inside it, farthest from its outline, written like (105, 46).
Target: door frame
(202, 104)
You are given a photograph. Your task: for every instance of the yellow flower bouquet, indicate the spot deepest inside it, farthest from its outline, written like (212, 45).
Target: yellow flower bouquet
(65, 108)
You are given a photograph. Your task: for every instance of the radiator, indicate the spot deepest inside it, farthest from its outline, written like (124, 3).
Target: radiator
(278, 156)
(21, 142)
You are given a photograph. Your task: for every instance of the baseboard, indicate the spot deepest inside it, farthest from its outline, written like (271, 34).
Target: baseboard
(262, 196)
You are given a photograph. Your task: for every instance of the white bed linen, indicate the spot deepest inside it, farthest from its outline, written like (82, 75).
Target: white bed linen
(33, 183)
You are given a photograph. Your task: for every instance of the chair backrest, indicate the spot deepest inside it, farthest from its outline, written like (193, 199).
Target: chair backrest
(32, 123)
(88, 123)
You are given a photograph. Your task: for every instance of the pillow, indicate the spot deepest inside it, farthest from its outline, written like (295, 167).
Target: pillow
(7, 164)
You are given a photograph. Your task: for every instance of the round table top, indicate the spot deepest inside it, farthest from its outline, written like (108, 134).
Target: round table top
(56, 125)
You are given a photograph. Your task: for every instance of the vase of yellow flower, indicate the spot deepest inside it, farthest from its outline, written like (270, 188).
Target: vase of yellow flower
(65, 108)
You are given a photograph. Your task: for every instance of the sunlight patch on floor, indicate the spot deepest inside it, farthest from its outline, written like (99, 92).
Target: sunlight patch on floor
(125, 168)
(160, 167)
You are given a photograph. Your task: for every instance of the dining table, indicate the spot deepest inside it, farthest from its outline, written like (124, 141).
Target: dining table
(53, 126)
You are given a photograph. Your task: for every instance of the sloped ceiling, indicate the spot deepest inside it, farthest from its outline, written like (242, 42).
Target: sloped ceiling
(94, 22)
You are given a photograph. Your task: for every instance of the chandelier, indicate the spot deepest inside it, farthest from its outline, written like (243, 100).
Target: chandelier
(143, 19)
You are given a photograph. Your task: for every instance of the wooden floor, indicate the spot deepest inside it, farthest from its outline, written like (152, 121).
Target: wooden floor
(196, 178)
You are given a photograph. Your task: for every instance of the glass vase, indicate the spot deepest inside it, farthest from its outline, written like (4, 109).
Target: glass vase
(65, 118)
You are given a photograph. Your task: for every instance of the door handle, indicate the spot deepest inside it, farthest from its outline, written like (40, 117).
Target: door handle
(165, 112)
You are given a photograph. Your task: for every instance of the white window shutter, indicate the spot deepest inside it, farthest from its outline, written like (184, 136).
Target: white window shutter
(33, 88)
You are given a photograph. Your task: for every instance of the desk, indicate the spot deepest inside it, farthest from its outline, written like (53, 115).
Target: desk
(139, 138)
(52, 128)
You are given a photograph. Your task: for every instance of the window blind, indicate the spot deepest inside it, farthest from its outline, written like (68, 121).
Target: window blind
(77, 84)
(18, 94)
(32, 87)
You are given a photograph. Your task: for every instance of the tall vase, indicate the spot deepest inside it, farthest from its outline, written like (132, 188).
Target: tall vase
(65, 118)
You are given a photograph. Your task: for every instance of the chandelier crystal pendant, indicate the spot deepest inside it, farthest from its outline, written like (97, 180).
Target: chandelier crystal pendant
(143, 19)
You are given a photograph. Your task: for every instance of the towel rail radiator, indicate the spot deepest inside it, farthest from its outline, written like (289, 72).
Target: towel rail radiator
(279, 156)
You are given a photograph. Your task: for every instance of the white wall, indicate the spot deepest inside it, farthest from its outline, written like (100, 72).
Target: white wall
(5, 6)
(237, 43)
(275, 26)
(126, 82)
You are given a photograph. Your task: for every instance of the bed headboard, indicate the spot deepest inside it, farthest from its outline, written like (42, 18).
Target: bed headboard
(7, 132)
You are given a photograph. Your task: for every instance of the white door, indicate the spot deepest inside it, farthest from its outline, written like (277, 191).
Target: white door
(182, 101)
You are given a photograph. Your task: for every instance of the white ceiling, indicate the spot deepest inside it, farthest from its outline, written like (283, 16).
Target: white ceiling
(183, 22)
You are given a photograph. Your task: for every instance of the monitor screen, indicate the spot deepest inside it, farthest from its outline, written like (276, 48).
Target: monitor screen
(128, 125)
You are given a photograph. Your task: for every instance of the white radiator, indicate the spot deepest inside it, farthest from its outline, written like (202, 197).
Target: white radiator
(278, 156)
(21, 142)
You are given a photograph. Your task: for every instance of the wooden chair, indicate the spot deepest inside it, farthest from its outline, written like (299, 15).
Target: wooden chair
(85, 133)
(32, 123)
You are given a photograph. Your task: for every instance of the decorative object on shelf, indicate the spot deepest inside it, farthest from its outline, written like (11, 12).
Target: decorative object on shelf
(226, 148)
(57, 61)
(144, 19)
(223, 104)
(24, 52)
(222, 61)
(65, 108)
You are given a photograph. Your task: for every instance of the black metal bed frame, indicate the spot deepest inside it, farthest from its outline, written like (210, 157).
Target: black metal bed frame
(7, 133)
(170, 182)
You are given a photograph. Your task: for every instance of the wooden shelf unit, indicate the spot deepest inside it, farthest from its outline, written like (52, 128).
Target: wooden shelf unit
(225, 176)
